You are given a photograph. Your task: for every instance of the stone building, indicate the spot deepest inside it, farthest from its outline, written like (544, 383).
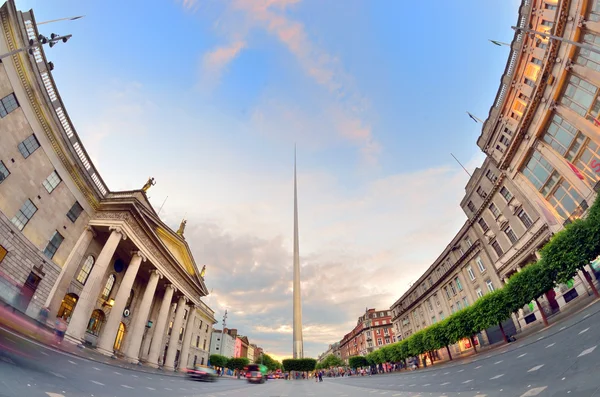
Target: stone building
(102, 260)
(542, 170)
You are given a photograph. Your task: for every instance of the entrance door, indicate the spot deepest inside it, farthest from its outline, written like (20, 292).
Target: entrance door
(28, 290)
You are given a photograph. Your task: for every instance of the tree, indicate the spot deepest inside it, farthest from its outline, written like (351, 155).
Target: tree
(357, 362)
(491, 309)
(331, 361)
(218, 360)
(268, 361)
(237, 363)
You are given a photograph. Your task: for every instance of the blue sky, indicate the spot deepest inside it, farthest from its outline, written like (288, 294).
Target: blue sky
(210, 96)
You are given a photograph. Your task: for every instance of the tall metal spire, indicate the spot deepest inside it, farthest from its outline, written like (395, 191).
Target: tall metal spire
(298, 342)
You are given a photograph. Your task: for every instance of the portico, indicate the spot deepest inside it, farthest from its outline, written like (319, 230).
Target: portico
(119, 284)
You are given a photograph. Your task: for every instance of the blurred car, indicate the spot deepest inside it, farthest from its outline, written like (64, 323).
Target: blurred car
(256, 373)
(202, 373)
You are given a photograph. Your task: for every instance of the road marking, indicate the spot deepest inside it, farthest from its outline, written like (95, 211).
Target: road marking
(135, 376)
(97, 369)
(118, 373)
(586, 316)
(127, 387)
(467, 381)
(584, 331)
(58, 375)
(394, 395)
(535, 369)
(497, 377)
(540, 338)
(550, 345)
(479, 366)
(444, 384)
(521, 355)
(587, 351)
(481, 395)
(534, 392)
(98, 383)
(445, 373)
(73, 362)
(460, 370)
(498, 362)
(562, 328)
(166, 388)
(150, 388)
(181, 388)
(44, 353)
(414, 384)
(427, 384)
(54, 394)
(148, 377)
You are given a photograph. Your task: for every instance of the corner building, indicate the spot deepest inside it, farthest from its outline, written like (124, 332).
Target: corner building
(102, 260)
(542, 167)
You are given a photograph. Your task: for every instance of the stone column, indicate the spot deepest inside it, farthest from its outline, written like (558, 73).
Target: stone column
(169, 363)
(93, 285)
(60, 287)
(163, 316)
(139, 322)
(187, 339)
(110, 329)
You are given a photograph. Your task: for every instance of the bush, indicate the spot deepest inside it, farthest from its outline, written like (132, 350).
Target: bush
(299, 364)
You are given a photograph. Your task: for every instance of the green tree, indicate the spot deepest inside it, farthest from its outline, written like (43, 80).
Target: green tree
(491, 309)
(331, 361)
(357, 362)
(218, 360)
(237, 363)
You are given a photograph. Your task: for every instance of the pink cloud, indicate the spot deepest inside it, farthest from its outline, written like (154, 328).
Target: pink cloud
(214, 62)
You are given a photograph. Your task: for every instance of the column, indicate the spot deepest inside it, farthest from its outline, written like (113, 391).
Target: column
(159, 330)
(174, 340)
(187, 339)
(138, 325)
(60, 287)
(89, 295)
(110, 329)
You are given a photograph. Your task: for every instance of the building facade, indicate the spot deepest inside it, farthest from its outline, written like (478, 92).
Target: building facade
(104, 261)
(541, 171)
(223, 343)
(372, 331)
(331, 349)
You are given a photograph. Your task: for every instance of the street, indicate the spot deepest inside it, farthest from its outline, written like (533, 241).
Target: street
(558, 361)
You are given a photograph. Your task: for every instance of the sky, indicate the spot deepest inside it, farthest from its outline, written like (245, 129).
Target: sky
(209, 97)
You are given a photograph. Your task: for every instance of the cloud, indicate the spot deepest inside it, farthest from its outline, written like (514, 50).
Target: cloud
(215, 62)
(190, 5)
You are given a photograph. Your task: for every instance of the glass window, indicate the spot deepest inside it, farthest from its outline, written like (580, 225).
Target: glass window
(67, 305)
(108, 287)
(491, 176)
(86, 269)
(458, 284)
(581, 97)
(458, 306)
(589, 58)
(468, 241)
(51, 182)
(23, 216)
(496, 246)
(441, 315)
(465, 301)
(495, 211)
(506, 193)
(490, 285)
(53, 245)
(433, 320)
(483, 224)
(75, 211)
(28, 146)
(4, 173)
(452, 288)
(471, 206)
(505, 140)
(8, 104)
(480, 264)
(470, 272)
(447, 292)
(511, 235)
(96, 321)
(198, 341)
(479, 293)
(595, 11)
(482, 193)
(525, 219)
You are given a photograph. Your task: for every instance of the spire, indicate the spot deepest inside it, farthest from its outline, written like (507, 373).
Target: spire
(298, 341)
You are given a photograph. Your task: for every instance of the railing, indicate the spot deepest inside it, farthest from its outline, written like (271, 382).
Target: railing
(59, 107)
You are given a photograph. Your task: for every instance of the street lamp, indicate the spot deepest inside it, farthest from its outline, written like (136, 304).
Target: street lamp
(558, 38)
(33, 44)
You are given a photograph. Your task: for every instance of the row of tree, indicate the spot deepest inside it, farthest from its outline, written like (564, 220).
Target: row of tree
(238, 363)
(331, 361)
(299, 364)
(567, 252)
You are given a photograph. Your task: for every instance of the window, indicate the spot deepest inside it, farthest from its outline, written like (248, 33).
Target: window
(461, 251)
(386, 331)
(470, 272)
(185, 314)
(496, 246)
(595, 11)
(28, 146)
(550, 7)
(437, 301)
(490, 285)
(529, 82)
(433, 320)
(495, 211)
(4, 173)
(511, 235)
(471, 206)
(581, 97)
(108, 287)
(519, 106)
(480, 264)
(548, 24)
(53, 245)
(468, 241)
(542, 45)
(180, 334)
(506, 194)
(51, 182)
(458, 284)
(447, 292)
(25, 214)
(96, 321)
(387, 340)
(458, 306)
(429, 304)
(451, 308)
(491, 176)
(482, 193)
(8, 104)
(479, 293)
(499, 148)
(430, 282)
(465, 301)
(452, 288)
(483, 224)
(379, 342)
(586, 57)
(441, 316)
(505, 140)
(204, 345)
(86, 269)
(525, 218)
(75, 211)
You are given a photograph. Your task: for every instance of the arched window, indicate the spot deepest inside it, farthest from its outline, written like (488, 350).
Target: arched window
(120, 337)
(67, 306)
(108, 287)
(96, 321)
(86, 269)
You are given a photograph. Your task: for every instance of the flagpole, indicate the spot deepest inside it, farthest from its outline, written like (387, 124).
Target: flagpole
(499, 43)
(61, 19)
(558, 38)
(475, 118)
(463, 167)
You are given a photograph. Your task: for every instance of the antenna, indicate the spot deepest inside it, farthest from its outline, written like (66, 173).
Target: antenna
(163, 204)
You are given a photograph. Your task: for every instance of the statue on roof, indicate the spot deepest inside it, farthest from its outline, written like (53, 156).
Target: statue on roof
(151, 182)
(203, 272)
(181, 227)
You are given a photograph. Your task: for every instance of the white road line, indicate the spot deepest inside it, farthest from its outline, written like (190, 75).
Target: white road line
(497, 377)
(587, 351)
(550, 345)
(427, 384)
(498, 362)
(444, 384)
(135, 376)
(562, 328)
(521, 355)
(534, 392)
(97, 369)
(127, 387)
(445, 373)
(73, 362)
(584, 331)
(479, 366)
(150, 388)
(540, 338)
(467, 381)
(460, 370)
(54, 394)
(166, 388)
(98, 383)
(118, 373)
(44, 353)
(536, 368)
(586, 316)
(414, 384)
(148, 377)
(58, 375)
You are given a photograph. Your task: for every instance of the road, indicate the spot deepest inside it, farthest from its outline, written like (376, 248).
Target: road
(560, 361)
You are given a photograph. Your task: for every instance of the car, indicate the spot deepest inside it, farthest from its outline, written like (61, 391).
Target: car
(256, 373)
(202, 373)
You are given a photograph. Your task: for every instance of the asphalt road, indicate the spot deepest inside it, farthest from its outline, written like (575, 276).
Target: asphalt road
(560, 361)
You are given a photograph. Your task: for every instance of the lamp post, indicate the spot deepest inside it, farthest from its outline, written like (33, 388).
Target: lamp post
(54, 38)
(558, 38)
